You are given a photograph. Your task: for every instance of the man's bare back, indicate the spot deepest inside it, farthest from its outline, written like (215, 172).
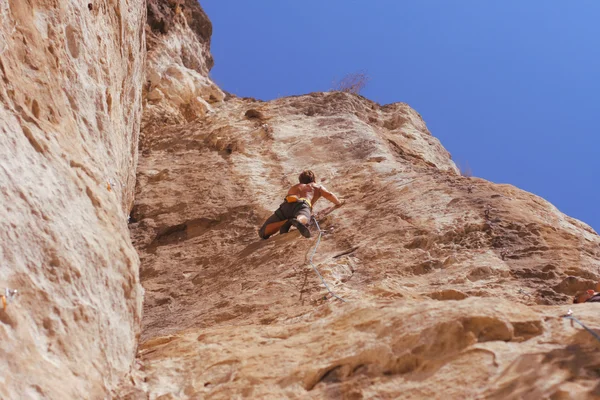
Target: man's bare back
(312, 192)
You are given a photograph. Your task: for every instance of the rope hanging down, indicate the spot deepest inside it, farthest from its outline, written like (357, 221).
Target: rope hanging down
(570, 316)
(310, 261)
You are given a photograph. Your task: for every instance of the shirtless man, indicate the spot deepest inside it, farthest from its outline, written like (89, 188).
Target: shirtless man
(589, 296)
(296, 209)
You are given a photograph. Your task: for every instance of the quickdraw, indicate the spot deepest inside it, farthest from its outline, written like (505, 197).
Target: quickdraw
(8, 297)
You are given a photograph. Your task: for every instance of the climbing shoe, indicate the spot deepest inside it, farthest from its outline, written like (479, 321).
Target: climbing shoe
(285, 228)
(301, 227)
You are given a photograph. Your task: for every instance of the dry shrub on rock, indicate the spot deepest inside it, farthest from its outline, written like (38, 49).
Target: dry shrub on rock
(352, 83)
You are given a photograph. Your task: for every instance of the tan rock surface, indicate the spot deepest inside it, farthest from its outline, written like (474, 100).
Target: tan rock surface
(387, 349)
(70, 99)
(454, 286)
(177, 86)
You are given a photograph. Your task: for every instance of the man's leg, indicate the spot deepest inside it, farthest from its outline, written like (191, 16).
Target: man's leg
(290, 222)
(285, 228)
(301, 219)
(302, 214)
(271, 225)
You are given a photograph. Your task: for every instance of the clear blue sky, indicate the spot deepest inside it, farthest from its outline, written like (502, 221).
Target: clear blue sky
(510, 87)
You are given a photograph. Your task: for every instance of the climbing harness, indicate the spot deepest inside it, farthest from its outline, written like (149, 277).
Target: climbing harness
(295, 199)
(570, 316)
(310, 261)
(291, 199)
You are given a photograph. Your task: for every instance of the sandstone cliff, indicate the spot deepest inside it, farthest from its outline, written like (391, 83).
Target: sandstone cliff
(71, 78)
(454, 286)
(177, 86)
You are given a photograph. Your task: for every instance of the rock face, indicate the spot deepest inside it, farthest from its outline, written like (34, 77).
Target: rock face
(177, 86)
(385, 349)
(454, 286)
(71, 77)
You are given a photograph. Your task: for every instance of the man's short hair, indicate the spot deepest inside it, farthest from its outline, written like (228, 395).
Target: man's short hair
(307, 176)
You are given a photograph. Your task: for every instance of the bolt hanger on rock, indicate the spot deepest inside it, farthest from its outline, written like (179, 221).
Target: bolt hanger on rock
(569, 315)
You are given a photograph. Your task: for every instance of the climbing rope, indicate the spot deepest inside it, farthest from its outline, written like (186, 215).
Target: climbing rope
(310, 261)
(570, 316)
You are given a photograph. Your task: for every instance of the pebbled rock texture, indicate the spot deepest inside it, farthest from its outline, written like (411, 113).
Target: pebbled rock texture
(71, 75)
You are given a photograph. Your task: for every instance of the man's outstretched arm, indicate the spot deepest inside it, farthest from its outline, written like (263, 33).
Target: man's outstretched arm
(330, 196)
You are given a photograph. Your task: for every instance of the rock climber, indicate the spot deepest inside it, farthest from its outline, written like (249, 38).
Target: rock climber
(297, 206)
(589, 296)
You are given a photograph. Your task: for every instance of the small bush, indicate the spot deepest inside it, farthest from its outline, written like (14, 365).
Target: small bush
(352, 83)
(465, 170)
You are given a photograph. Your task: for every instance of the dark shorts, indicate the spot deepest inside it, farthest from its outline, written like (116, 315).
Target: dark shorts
(284, 212)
